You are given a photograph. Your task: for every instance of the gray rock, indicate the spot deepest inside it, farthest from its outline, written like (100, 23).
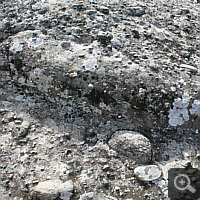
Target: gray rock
(79, 7)
(104, 197)
(154, 67)
(136, 11)
(136, 33)
(132, 144)
(65, 45)
(68, 75)
(189, 68)
(87, 196)
(185, 11)
(10, 116)
(116, 43)
(16, 47)
(43, 11)
(185, 54)
(198, 46)
(50, 189)
(24, 127)
(93, 196)
(104, 10)
(148, 173)
(91, 12)
(104, 37)
(90, 64)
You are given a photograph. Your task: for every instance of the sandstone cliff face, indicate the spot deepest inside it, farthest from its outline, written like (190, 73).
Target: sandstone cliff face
(76, 74)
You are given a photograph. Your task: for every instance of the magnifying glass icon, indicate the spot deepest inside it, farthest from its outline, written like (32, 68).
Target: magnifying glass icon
(182, 182)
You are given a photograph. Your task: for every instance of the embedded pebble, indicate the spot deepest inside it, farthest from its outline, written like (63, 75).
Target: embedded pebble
(148, 173)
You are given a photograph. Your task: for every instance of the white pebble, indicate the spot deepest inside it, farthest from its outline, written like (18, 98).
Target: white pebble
(90, 85)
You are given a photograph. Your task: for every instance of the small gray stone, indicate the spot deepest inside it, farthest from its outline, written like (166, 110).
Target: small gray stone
(116, 43)
(185, 11)
(100, 72)
(43, 11)
(91, 12)
(24, 128)
(87, 196)
(10, 116)
(136, 11)
(104, 37)
(18, 121)
(65, 45)
(106, 167)
(81, 55)
(104, 10)
(148, 173)
(189, 68)
(104, 197)
(154, 67)
(198, 46)
(136, 33)
(185, 54)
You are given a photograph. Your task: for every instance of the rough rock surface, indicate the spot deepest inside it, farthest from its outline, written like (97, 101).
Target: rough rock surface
(73, 73)
(133, 145)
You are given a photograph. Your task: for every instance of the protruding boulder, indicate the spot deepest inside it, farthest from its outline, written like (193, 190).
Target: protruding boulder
(132, 144)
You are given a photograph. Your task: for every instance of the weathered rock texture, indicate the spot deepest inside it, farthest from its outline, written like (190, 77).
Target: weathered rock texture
(73, 73)
(133, 145)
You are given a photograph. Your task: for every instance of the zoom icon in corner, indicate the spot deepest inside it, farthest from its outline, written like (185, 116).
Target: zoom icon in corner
(184, 183)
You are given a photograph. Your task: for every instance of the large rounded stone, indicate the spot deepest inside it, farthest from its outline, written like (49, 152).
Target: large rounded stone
(132, 144)
(51, 189)
(148, 173)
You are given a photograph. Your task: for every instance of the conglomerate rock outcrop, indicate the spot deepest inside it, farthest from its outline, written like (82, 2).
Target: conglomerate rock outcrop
(74, 74)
